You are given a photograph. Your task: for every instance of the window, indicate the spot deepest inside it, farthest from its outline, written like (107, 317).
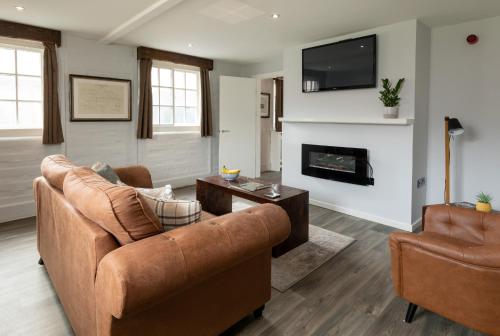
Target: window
(176, 97)
(21, 87)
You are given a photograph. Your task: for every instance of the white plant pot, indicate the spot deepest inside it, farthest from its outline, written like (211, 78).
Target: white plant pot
(391, 112)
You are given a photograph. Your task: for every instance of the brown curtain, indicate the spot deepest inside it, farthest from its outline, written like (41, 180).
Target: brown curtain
(52, 128)
(206, 104)
(145, 122)
(279, 104)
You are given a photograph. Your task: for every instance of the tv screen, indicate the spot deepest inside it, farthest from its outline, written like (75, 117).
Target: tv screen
(349, 64)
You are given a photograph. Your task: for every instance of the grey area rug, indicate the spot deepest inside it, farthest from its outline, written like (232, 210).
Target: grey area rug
(298, 263)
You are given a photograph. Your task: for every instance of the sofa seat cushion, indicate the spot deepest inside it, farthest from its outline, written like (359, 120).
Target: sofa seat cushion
(120, 210)
(54, 168)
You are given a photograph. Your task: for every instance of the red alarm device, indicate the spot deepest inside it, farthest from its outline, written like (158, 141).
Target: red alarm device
(472, 39)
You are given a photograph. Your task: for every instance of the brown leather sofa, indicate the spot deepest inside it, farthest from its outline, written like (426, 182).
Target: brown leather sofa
(196, 280)
(452, 267)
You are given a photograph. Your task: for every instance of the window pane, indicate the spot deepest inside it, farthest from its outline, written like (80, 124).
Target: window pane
(154, 76)
(191, 81)
(156, 115)
(29, 88)
(192, 115)
(7, 87)
(30, 115)
(7, 60)
(179, 80)
(191, 98)
(180, 115)
(7, 114)
(165, 77)
(156, 95)
(166, 97)
(166, 115)
(180, 97)
(29, 63)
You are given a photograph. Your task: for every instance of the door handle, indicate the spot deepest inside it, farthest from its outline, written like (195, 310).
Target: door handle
(225, 131)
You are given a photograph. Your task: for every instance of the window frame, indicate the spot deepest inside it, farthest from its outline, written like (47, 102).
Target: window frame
(24, 45)
(181, 128)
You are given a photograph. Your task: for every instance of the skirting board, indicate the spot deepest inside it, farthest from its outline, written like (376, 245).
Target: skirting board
(410, 227)
(10, 212)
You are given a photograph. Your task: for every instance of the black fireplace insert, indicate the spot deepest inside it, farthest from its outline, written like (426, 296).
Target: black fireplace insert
(341, 164)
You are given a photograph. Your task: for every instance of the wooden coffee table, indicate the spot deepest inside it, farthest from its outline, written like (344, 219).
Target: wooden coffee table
(215, 195)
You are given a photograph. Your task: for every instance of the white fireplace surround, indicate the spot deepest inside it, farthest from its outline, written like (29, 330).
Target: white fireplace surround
(352, 121)
(353, 118)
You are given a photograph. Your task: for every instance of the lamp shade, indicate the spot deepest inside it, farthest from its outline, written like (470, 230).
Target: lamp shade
(455, 127)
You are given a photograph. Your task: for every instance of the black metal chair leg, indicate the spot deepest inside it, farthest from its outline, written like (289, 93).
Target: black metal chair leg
(40, 261)
(258, 312)
(410, 313)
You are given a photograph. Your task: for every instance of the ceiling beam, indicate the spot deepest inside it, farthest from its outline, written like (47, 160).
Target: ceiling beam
(141, 18)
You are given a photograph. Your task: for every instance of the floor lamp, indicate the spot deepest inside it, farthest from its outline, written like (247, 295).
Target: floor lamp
(452, 127)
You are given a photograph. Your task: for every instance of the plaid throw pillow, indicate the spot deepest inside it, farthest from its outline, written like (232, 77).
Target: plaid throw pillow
(175, 213)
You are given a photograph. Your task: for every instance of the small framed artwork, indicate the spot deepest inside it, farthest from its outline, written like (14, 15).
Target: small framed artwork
(265, 105)
(100, 98)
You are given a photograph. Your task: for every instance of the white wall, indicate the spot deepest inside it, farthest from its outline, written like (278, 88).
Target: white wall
(266, 127)
(390, 148)
(422, 78)
(172, 158)
(465, 83)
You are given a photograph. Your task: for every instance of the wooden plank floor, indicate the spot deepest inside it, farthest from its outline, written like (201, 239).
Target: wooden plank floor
(349, 295)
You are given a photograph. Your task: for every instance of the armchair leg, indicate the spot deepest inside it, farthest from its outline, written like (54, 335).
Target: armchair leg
(258, 312)
(410, 313)
(40, 261)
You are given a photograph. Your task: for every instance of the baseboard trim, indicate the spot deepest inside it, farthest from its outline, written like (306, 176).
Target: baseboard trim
(363, 215)
(14, 211)
(179, 182)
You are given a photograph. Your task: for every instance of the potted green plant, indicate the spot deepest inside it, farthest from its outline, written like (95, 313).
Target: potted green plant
(483, 202)
(390, 97)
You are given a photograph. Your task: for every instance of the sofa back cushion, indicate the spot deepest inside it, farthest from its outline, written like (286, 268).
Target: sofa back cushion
(465, 224)
(120, 210)
(54, 168)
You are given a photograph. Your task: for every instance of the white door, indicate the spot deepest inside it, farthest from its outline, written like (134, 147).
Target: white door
(238, 141)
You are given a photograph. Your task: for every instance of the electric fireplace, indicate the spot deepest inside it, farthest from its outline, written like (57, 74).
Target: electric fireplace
(343, 164)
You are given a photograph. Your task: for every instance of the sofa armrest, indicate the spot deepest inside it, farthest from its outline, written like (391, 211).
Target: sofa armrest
(139, 275)
(135, 176)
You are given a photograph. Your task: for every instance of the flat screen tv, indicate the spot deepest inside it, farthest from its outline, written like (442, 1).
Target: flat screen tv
(348, 64)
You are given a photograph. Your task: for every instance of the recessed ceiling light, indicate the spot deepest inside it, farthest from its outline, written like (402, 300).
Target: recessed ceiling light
(19, 8)
(275, 16)
(190, 45)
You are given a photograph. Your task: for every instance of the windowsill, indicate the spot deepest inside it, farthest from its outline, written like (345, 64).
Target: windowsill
(21, 133)
(174, 132)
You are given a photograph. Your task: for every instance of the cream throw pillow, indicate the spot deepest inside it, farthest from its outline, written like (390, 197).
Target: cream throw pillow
(174, 213)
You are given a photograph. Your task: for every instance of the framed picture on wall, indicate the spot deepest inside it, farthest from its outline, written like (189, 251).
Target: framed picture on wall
(100, 99)
(265, 105)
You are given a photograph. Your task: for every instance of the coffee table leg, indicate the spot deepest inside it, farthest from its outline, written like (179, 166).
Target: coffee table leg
(297, 209)
(213, 200)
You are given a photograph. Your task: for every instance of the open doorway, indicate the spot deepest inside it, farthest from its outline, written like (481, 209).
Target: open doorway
(271, 105)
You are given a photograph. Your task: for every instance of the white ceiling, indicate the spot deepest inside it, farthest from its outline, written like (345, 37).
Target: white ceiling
(235, 30)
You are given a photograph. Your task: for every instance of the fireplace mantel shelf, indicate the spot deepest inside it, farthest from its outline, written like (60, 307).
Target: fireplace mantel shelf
(353, 121)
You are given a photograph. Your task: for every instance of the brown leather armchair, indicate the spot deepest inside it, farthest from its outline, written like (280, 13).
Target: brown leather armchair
(452, 267)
